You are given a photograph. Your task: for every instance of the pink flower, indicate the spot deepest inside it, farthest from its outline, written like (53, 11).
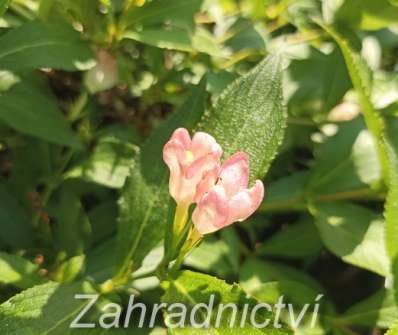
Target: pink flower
(194, 165)
(229, 200)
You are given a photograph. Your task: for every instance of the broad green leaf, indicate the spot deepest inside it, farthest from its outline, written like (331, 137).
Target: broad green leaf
(286, 192)
(109, 163)
(46, 309)
(177, 13)
(353, 167)
(316, 83)
(190, 288)
(15, 226)
(73, 229)
(284, 242)
(353, 233)
(219, 256)
(144, 198)
(367, 14)
(378, 310)
(29, 108)
(51, 45)
(18, 271)
(103, 221)
(244, 36)
(250, 116)
(254, 273)
(383, 137)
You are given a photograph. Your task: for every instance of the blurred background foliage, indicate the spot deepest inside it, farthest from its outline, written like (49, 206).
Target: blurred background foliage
(84, 82)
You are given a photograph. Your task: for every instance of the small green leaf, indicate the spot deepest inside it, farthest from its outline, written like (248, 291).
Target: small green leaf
(30, 108)
(191, 288)
(173, 39)
(378, 310)
(250, 116)
(353, 233)
(52, 45)
(70, 269)
(18, 271)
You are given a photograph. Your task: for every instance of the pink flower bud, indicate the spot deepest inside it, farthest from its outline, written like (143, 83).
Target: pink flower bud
(194, 165)
(229, 200)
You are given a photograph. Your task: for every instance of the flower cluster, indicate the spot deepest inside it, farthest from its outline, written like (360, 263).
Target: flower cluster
(220, 191)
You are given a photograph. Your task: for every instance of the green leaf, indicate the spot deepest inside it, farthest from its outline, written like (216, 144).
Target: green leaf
(367, 14)
(391, 208)
(72, 229)
(286, 192)
(216, 256)
(174, 39)
(354, 167)
(383, 137)
(109, 163)
(178, 13)
(46, 309)
(144, 198)
(190, 288)
(255, 272)
(51, 45)
(284, 242)
(394, 329)
(360, 77)
(29, 108)
(15, 226)
(3, 6)
(353, 233)
(70, 269)
(249, 116)
(18, 271)
(379, 310)
(321, 95)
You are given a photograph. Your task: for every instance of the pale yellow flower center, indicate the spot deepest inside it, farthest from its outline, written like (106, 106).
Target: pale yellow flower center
(189, 156)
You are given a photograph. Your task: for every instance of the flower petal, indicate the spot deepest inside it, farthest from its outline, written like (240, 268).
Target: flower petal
(203, 144)
(208, 181)
(246, 202)
(182, 135)
(234, 174)
(211, 213)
